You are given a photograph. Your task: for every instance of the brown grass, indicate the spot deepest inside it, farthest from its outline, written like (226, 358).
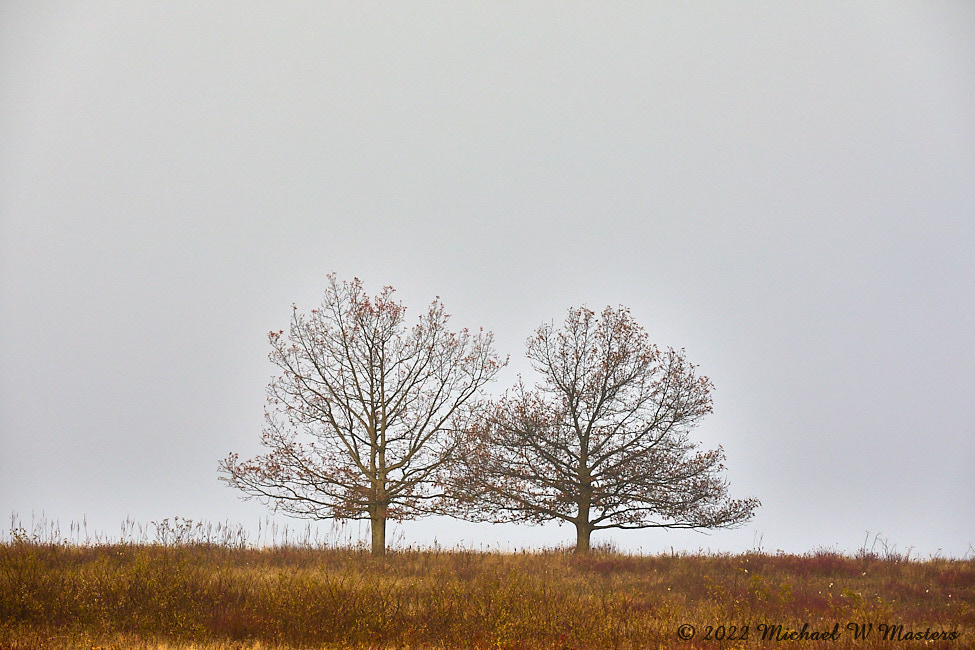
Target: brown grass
(58, 595)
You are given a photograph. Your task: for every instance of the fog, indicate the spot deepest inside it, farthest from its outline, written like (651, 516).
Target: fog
(786, 191)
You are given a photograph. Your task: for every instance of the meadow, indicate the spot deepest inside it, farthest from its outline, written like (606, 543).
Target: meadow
(182, 589)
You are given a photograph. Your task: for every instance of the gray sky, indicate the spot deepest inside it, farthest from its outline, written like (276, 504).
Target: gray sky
(785, 190)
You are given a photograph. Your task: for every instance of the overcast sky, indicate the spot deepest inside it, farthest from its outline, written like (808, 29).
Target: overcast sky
(785, 190)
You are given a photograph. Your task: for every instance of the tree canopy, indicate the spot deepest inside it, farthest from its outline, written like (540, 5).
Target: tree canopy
(602, 440)
(366, 417)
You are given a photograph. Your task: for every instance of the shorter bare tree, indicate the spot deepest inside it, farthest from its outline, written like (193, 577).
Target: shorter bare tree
(602, 442)
(366, 417)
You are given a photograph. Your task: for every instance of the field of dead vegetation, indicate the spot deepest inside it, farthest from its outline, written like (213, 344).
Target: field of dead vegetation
(199, 595)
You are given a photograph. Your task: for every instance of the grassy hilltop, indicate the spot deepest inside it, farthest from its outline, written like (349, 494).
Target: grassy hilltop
(198, 595)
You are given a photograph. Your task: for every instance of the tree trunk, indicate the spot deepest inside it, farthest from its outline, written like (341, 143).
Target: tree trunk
(583, 531)
(378, 526)
(379, 507)
(583, 527)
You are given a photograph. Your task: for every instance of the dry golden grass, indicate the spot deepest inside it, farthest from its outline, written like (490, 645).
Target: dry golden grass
(56, 595)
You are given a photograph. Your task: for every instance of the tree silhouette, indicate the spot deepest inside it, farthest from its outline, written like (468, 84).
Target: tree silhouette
(366, 418)
(602, 441)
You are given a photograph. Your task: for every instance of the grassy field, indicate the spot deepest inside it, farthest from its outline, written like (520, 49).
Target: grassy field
(198, 595)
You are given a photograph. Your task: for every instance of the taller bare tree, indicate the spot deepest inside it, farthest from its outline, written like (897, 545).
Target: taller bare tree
(365, 419)
(602, 441)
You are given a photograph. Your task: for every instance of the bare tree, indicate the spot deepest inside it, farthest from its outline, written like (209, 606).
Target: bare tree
(602, 442)
(366, 417)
